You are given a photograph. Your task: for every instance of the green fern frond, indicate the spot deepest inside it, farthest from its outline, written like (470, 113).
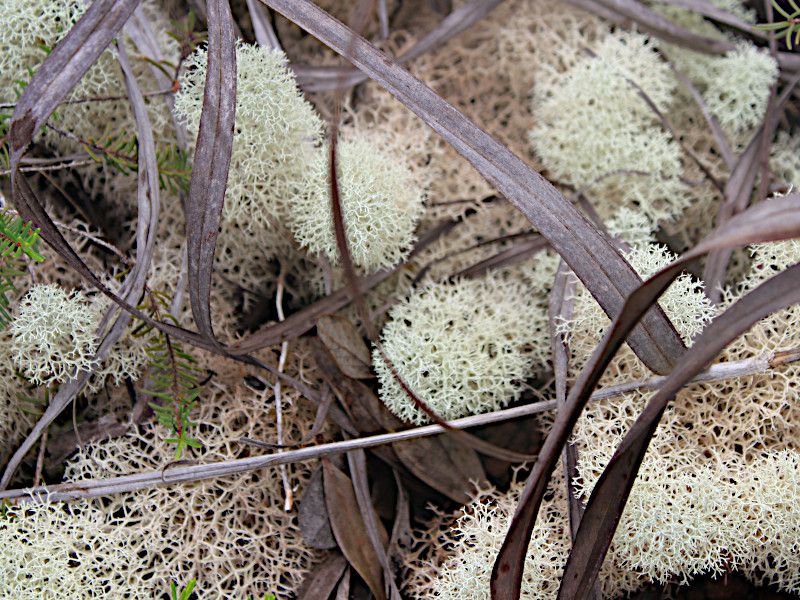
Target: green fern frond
(174, 379)
(19, 242)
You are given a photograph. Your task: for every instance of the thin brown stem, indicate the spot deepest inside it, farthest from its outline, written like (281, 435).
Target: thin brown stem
(93, 488)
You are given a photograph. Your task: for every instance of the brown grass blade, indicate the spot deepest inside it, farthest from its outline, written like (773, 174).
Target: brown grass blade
(560, 307)
(265, 34)
(611, 492)
(64, 67)
(652, 22)
(321, 79)
(773, 220)
(349, 528)
(710, 10)
(211, 162)
(378, 538)
(589, 253)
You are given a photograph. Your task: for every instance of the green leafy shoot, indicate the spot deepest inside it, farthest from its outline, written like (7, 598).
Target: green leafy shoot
(183, 32)
(184, 595)
(19, 243)
(791, 24)
(122, 154)
(174, 378)
(174, 171)
(266, 597)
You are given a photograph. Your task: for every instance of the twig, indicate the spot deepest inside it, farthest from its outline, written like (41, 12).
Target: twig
(55, 167)
(163, 92)
(287, 488)
(40, 458)
(93, 488)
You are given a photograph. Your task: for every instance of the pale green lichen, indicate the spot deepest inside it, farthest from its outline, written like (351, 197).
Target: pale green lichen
(62, 551)
(592, 110)
(380, 204)
(735, 86)
(461, 347)
(53, 335)
(274, 140)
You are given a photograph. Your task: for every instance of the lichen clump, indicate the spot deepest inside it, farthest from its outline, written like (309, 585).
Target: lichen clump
(460, 346)
(63, 552)
(53, 335)
(381, 206)
(594, 109)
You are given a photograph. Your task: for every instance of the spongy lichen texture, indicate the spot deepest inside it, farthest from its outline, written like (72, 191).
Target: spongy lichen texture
(592, 110)
(735, 86)
(62, 552)
(706, 499)
(461, 347)
(380, 205)
(274, 139)
(231, 533)
(23, 24)
(461, 557)
(53, 337)
(53, 334)
(31, 26)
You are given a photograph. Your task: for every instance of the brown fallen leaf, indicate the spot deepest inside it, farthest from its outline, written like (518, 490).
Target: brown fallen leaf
(312, 515)
(346, 346)
(349, 528)
(322, 580)
(445, 464)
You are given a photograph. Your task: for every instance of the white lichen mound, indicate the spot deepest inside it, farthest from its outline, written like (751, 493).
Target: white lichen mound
(735, 86)
(461, 347)
(53, 335)
(737, 92)
(23, 24)
(380, 204)
(718, 488)
(771, 498)
(592, 110)
(460, 558)
(275, 135)
(62, 552)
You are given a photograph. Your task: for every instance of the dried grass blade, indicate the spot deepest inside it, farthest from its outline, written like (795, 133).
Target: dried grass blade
(349, 528)
(652, 22)
(589, 253)
(611, 492)
(560, 309)
(710, 10)
(357, 461)
(211, 162)
(773, 220)
(265, 34)
(320, 79)
(64, 67)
